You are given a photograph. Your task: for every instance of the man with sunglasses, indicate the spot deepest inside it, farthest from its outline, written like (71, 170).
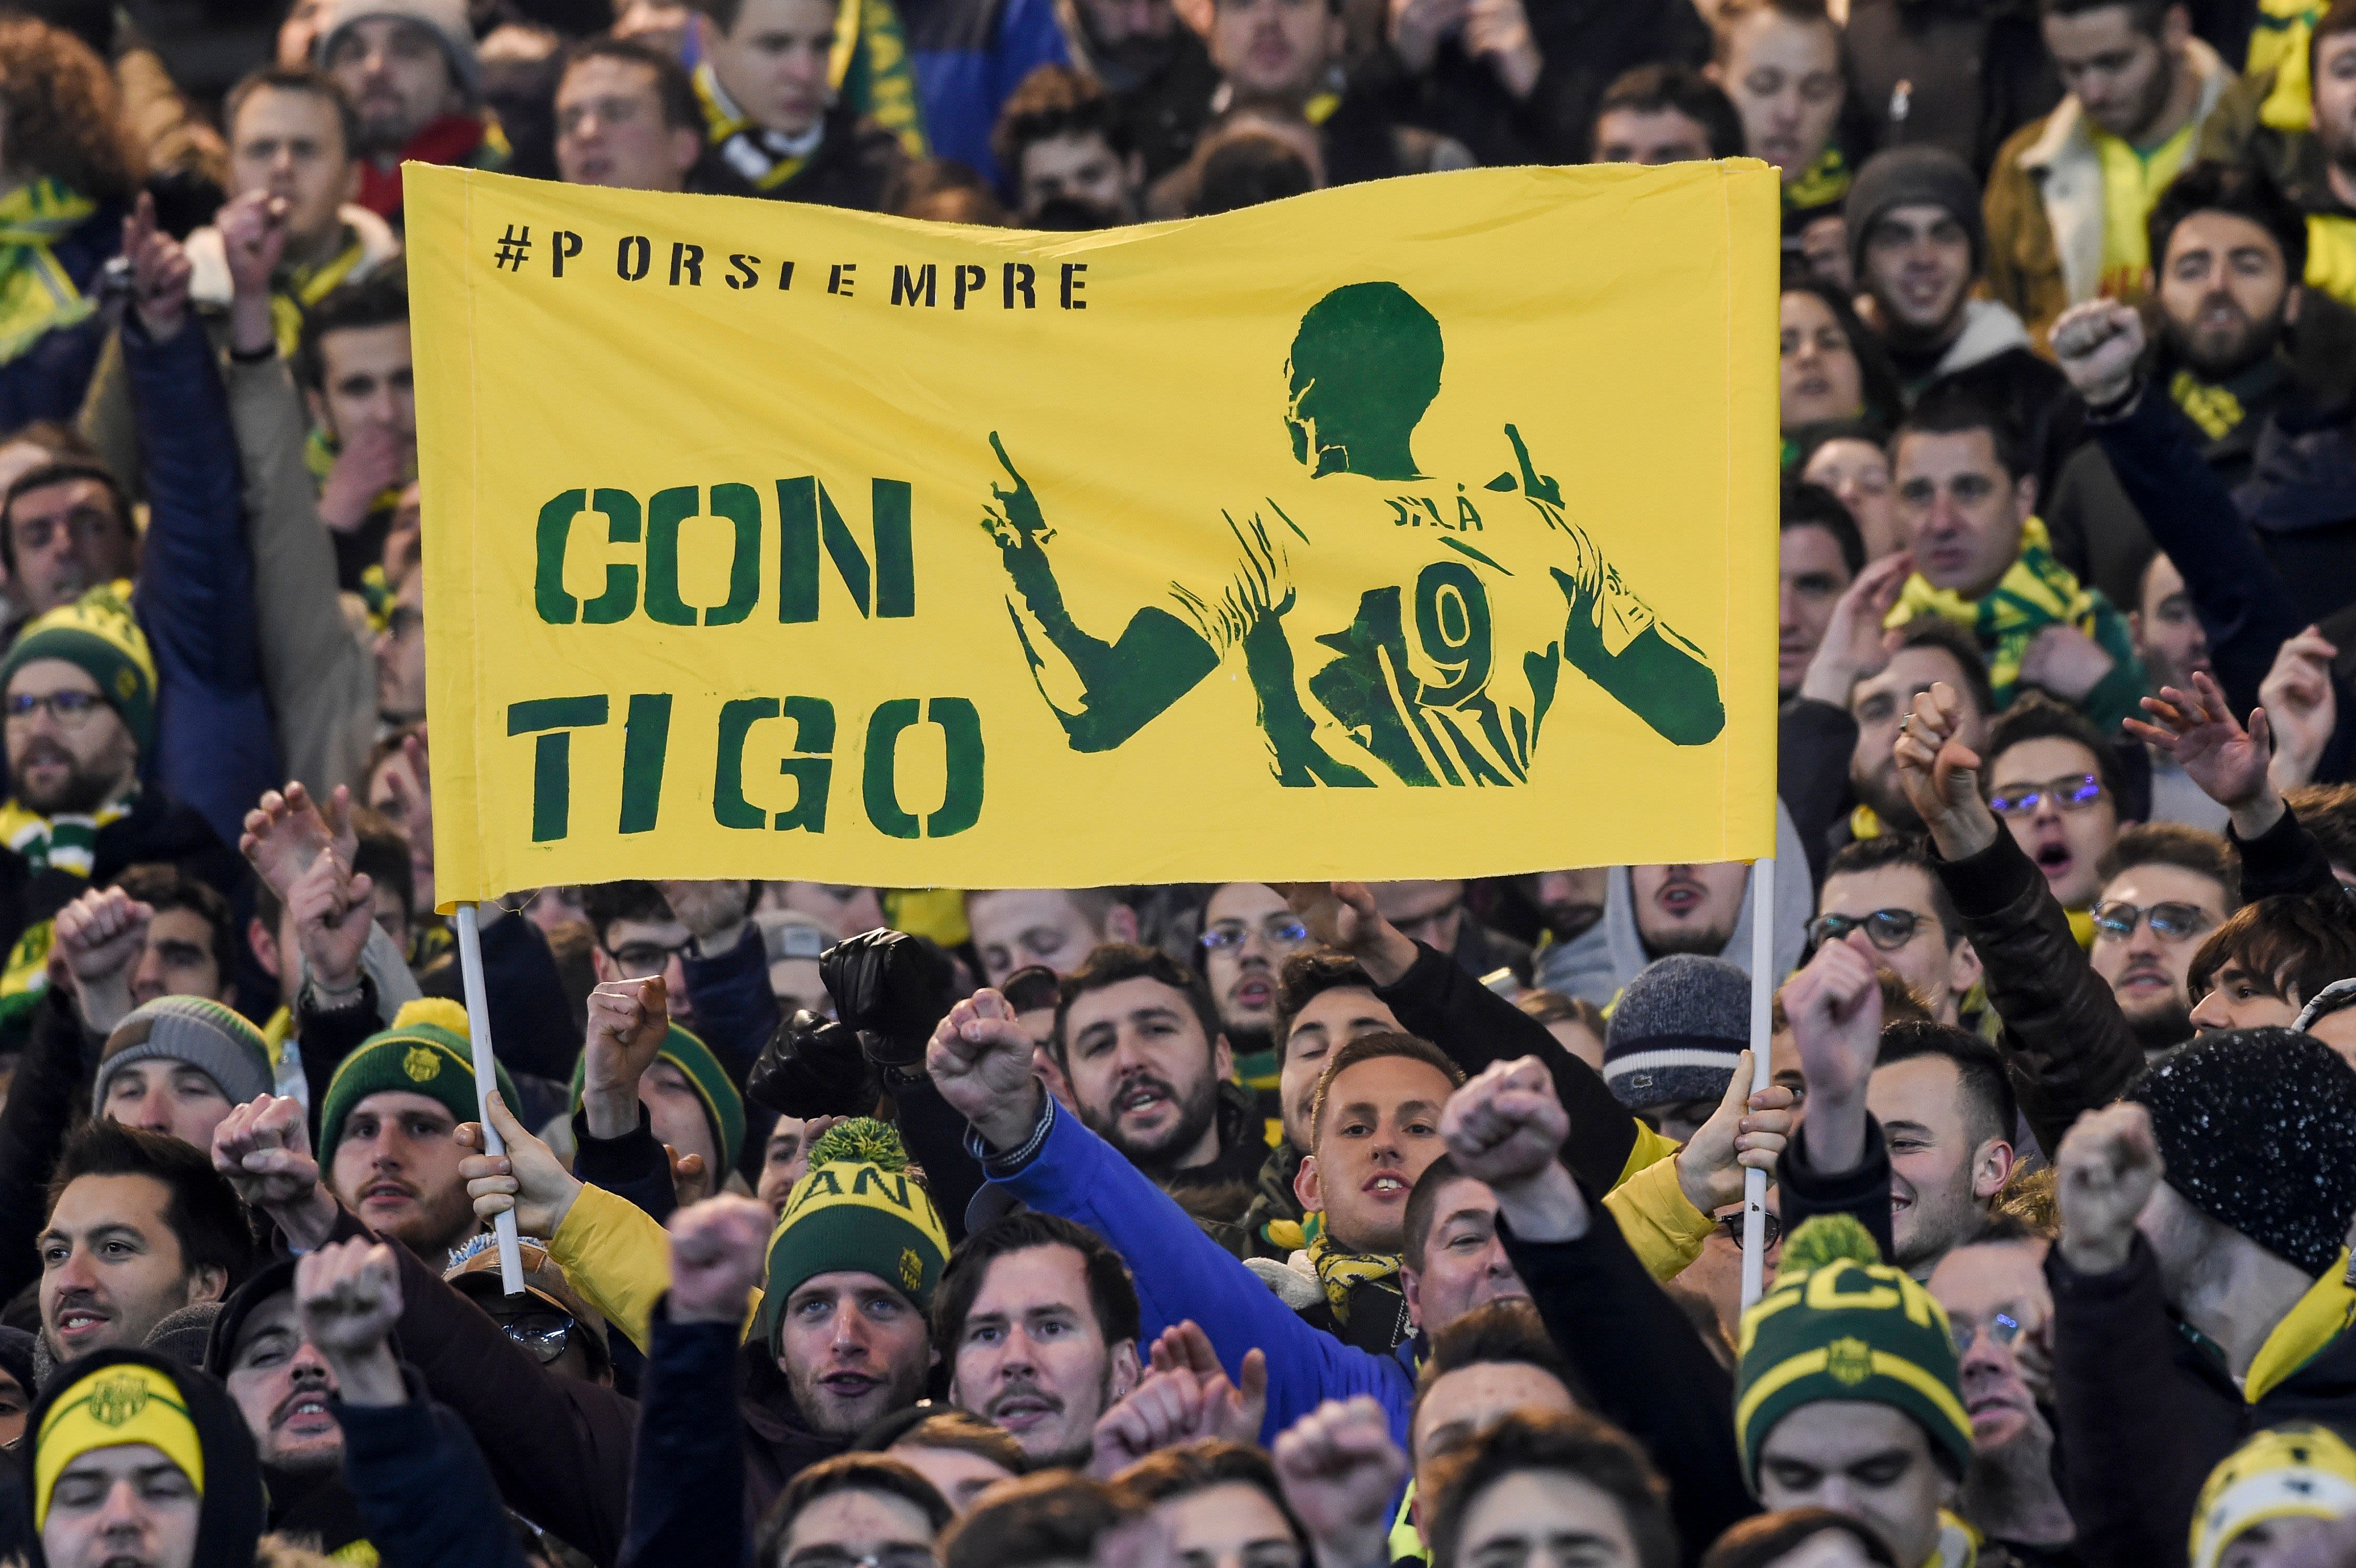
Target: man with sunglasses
(1889, 888)
(2164, 888)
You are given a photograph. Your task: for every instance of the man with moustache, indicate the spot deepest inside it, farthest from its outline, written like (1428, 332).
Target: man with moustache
(1038, 1321)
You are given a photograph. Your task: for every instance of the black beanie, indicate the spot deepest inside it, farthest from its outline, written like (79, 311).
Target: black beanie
(1913, 176)
(2258, 1128)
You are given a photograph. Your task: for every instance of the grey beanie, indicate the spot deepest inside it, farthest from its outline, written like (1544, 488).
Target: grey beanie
(1677, 1031)
(446, 18)
(1913, 176)
(208, 1037)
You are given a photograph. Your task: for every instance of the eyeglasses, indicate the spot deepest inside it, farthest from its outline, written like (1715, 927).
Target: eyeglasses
(2118, 920)
(2072, 792)
(544, 1334)
(645, 960)
(1276, 930)
(885, 1557)
(1886, 929)
(1731, 1226)
(2002, 1329)
(69, 710)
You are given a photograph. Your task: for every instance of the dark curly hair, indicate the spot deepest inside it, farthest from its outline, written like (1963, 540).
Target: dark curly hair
(63, 113)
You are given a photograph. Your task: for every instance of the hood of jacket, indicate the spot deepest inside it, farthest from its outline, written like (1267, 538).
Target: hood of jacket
(1795, 901)
(2303, 474)
(781, 1444)
(1990, 328)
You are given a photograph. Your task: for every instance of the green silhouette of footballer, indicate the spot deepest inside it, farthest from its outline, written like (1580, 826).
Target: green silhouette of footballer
(1445, 673)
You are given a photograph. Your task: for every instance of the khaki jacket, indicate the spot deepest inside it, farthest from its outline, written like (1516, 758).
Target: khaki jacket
(2044, 204)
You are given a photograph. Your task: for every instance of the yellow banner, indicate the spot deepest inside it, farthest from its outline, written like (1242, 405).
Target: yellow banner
(1417, 528)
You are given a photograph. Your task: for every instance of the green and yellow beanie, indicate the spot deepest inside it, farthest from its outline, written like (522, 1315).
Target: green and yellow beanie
(723, 1104)
(1840, 1324)
(427, 1051)
(859, 1211)
(98, 632)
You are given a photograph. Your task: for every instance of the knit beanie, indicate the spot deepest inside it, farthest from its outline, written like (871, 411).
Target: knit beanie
(857, 1211)
(208, 1037)
(97, 633)
(426, 1052)
(117, 1396)
(724, 1102)
(1913, 176)
(2258, 1129)
(448, 18)
(1677, 1030)
(1840, 1324)
(2301, 1471)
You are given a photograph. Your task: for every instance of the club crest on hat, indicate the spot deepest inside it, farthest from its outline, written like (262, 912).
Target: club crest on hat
(1848, 1362)
(423, 1063)
(115, 1401)
(912, 1269)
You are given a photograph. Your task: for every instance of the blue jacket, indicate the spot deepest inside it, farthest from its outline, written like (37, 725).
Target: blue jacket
(421, 1487)
(969, 57)
(2243, 604)
(216, 749)
(687, 1485)
(1181, 1274)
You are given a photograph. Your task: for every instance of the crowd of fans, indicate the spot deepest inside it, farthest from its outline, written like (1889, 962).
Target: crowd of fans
(1206, 1227)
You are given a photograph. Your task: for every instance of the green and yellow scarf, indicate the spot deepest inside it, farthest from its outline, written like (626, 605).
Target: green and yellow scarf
(870, 67)
(36, 296)
(297, 289)
(2035, 592)
(68, 842)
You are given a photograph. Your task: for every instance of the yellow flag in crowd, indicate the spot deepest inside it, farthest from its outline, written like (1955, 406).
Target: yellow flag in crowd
(1417, 528)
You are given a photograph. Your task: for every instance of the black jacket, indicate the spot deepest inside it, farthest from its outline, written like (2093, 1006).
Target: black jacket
(1958, 74)
(423, 1488)
(52, 1075)
(854, 167)
(2147, 1408)
(1641, 1367)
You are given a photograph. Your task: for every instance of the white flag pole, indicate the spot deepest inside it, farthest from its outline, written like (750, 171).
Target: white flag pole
(479, 1029)
(1762, 996)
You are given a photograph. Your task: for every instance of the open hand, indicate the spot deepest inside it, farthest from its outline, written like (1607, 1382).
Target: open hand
(1238, 1409)
(2064, 660)
(287, 830)
(2198, 728)
(1852, 648)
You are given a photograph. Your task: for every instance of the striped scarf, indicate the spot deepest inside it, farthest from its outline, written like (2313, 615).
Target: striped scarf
(297, 290)
(1340, 1271)
(67, 842)
(36, 296)
(870, 67)
(2035, 592)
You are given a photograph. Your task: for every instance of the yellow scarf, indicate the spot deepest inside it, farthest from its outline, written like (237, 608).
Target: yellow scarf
(68, 842)
(300, 288)
(2278, 44)
(2331, 255)
(1340, 1271)
(36, 296)
(2035, 592)
(2327, 1311)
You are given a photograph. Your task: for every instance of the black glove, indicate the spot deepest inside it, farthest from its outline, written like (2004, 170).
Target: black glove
(812, 1067)
(894, 989)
